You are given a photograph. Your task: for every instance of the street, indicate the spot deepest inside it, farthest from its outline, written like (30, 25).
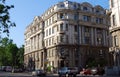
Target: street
(28, 74)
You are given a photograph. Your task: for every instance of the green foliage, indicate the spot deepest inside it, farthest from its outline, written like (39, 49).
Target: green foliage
(5, 55)
(10, 54)
(49, 68)
(20, 56)
(92, 62)
(5, 22)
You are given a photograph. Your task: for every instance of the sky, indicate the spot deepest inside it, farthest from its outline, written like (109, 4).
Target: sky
(24, 12)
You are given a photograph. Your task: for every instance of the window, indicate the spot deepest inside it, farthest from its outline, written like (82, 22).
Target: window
(97, 11)
(46, 42)
(47, 22)
(77, 63)
(53, 63)
(61, 27)
(75, 6)
(86, 18)
(87, 32)
(76, 39)
(67, 40)
(53, 40)
(52, 52)
(53, 19)
(61, 16)
(62, 5)
(57, 39)
(50, 31)
(116, 41)
(50, 21)
(76, 16)
(66, 27)
(99, 31)
(87, 29)
(61, 38)
(87, 40)
(99, 40)
(85, 8)
(57, 28)
(50, 41)
(101, 52)
(46, 32)
(113, 20)
(76, 53)
(99, 20)
(49, 53)
(75, 28)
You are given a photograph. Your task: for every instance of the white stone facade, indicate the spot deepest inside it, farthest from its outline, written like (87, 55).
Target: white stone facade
(114, 13)
(67, 34)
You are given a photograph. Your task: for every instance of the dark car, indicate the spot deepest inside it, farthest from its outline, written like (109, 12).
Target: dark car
(70, 71)
(38, 72)
(63, 71)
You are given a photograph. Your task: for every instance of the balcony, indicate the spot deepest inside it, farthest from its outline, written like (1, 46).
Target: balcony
(114, 28)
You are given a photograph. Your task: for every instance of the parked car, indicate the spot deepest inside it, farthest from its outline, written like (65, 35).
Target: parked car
(100, 71)
(38, 72)
(16, 70)
(86, 71)
(8, 69)
(62, 71)
(94, 71)
(73, 71)
(3, 68)
(68, 71)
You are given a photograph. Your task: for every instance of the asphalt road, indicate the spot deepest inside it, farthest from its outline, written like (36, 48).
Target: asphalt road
(28, 74)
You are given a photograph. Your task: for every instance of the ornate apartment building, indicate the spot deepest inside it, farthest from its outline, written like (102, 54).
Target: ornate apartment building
(114, 29)
(67, 34)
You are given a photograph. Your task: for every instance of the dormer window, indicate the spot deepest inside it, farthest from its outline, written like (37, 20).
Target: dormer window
(75, 6)
(62, 5)
(97, 11)
(85, 8)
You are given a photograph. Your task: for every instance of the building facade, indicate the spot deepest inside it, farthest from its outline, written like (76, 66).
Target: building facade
(114, 29)
(67, 34)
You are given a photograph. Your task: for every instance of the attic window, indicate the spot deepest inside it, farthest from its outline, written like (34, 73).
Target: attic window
(97, 11)
(62, 5)
(85, 8)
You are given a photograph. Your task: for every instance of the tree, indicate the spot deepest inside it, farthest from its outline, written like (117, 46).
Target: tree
(13, 50)
(20, 56)
(5, 22)
(2, 56)
(5, 55)
(8, 52)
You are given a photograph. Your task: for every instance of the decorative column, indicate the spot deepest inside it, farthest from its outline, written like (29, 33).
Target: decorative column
(92, 36)
(95, 36)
